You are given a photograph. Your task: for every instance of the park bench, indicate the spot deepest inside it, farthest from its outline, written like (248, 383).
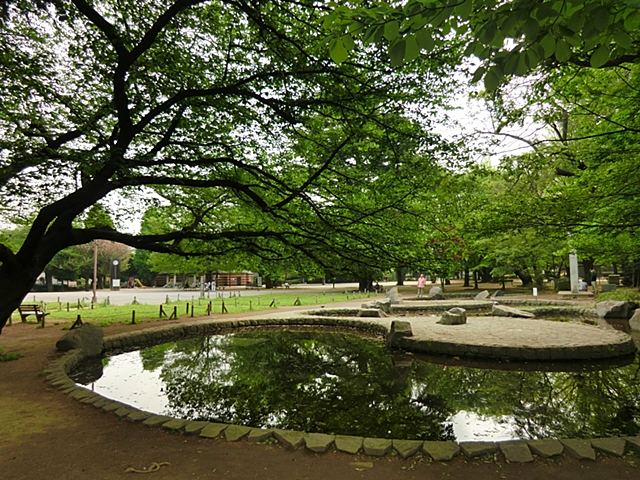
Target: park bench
(27, 309)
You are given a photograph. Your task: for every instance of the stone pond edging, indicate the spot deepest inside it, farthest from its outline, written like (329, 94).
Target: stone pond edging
(513, 451)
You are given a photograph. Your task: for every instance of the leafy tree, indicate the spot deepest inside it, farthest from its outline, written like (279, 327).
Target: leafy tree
(510, 38)
(204, 101)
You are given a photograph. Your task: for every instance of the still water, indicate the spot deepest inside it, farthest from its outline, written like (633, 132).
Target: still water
(339, 383)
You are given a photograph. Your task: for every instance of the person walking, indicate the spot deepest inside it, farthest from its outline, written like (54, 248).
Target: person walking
(422, 282)
(594, 278)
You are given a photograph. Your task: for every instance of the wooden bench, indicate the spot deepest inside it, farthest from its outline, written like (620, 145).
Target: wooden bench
(27, 309)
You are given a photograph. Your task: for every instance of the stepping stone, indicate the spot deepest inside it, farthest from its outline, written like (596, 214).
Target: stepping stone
(112, 407)
(138, 416)
(634, 443)
(156, 420)
(476, 449)
(212, 430)
(318, 442)
(441, 451)
(70, 389)
(101, 403)
(581, 449)
(174, 424)
(194, 426)
(289, 438)
(91, 399)
(348, 444)
(377, 447)
(81, 393)
(406, 448)
(124, 411)
(612, 446)
(233, 433)
(63, 383)
(516, 452)
(546, 448)
(259, 435)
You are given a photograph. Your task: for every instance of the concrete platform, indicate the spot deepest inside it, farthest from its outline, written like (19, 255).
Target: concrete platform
(515, 339)
(568, 294)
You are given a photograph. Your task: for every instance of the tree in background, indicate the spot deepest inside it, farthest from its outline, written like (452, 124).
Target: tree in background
(235, 99)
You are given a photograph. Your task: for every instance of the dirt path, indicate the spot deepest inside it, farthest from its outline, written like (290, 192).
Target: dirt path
(45, 434)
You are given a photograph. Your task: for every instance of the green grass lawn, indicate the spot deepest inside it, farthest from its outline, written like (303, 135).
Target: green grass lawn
(104, 315)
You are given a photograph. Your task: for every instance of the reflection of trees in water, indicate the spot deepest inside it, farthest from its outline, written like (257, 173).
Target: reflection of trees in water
(544, 404)
(315, 382)
(344, 384)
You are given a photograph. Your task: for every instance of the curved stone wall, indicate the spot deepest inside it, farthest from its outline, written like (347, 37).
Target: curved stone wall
(513, 451)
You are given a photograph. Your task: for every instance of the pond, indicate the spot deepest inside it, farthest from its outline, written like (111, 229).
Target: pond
(342, 383)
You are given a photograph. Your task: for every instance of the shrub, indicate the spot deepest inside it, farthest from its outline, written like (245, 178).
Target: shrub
(563, 283)
(621, 294)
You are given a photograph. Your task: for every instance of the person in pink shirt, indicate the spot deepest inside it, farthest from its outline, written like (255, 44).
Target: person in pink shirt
(422, 282)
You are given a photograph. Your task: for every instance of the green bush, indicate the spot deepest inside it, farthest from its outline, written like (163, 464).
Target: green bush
(621, 294)
(563, 284)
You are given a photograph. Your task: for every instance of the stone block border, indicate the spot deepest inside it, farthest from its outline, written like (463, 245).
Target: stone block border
(513, 451)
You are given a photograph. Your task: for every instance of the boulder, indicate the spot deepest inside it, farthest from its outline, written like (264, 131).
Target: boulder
(616, 309)
(634, 321)
(482, 295)
(399, 329)
(87, 337)
(497, 293)
(435, 292)
(384, 305)
(393, 296)
(503, 311)
(455, 316)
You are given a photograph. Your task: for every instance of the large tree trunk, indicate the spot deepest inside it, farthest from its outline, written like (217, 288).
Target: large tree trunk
(524, 276)
(15, 283)
(49, 281)
(400, 273)
(466, 276)
(485, 273)
(365, 284)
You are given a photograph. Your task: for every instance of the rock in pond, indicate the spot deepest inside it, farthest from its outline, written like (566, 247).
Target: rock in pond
(455, 316)
(616, 309)
(503, 311)
(87, 337)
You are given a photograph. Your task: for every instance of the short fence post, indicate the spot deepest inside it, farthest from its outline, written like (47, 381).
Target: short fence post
(187, 312)
(133, 317)
(77, 323)
(192, 310)
(250, 305)
(67, 306)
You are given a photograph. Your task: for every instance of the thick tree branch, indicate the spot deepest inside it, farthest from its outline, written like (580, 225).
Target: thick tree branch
(196, 183)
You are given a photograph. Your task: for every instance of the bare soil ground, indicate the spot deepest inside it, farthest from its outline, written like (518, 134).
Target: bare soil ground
(45, 434)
